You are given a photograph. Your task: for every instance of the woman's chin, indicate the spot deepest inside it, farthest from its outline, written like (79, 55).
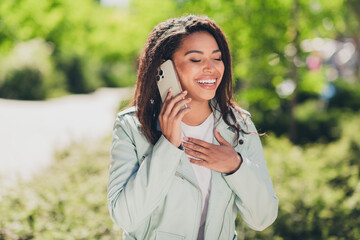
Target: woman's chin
(204, 97)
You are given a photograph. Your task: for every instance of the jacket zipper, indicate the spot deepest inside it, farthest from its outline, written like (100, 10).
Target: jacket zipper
(198, 218)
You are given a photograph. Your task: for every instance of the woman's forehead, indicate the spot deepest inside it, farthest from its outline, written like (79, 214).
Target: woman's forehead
(198, 41)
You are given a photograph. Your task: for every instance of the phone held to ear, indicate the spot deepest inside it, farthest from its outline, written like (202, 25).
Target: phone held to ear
(166, 79)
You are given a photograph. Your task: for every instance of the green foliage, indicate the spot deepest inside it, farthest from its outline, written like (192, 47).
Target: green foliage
(316, 124)
(80, 76)
(28, 72)
(26, 83)
(318, 187)
(124, 104)
(68, 201)
(87, 51)
(347, 97)
(313, 82)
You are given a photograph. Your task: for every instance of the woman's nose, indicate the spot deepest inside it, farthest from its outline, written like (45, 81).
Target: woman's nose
(208, 66)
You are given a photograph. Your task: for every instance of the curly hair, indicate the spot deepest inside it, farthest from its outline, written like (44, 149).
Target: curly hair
(162, 42)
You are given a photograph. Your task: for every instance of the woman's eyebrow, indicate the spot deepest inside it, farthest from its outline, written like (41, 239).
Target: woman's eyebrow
(200, 52)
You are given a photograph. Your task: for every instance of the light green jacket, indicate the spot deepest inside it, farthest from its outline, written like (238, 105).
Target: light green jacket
(153, 192)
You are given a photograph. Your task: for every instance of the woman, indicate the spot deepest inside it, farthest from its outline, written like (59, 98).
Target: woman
(185, 172)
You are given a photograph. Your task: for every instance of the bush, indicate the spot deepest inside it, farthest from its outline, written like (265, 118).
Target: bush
(68, 201)
(81, 75)
(28, 72)
(118, 75)
(318, 187)
(316, 123)
(26, 84)
(347, 96)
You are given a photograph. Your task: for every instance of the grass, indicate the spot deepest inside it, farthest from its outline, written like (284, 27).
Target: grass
(68, 201)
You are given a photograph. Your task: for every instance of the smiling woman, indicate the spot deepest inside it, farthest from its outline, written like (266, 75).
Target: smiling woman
(185, 167)
(200, 67)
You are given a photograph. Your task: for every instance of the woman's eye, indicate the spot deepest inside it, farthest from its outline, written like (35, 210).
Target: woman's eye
(218, 59)
(194, 60)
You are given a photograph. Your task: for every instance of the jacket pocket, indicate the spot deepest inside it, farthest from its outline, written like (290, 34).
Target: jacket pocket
(168, 236)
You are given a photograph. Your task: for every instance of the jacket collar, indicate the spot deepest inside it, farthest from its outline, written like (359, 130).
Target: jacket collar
(225, 130)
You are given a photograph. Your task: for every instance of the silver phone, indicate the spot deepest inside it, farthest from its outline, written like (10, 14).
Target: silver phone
(166, 79)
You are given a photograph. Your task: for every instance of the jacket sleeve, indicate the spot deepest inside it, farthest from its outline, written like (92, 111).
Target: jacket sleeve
(255, 196)
(134, 190)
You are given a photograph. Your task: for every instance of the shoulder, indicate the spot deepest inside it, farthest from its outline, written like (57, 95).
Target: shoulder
(243, 117)
(127, 111)
(240, 111)
(235, 109)
(241, 114)
(127, 118)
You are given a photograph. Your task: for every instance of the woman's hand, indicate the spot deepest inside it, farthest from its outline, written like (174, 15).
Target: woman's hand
(171, 115)
(221, 158)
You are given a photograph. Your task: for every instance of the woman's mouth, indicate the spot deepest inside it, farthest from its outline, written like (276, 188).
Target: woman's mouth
(207, 83)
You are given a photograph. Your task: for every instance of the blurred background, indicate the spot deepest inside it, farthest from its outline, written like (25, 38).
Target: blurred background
(296, 66)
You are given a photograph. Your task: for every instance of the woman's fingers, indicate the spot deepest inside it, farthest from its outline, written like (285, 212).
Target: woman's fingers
(198, 142)
(171, 115)
(166, 101)
(196, 154)
(173, 101)
(169, 110)
(182, 113)
(220, 138)
(195, 147)
(177, 107)
(200, 163)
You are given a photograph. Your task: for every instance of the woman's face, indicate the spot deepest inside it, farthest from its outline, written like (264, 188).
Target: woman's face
(199, 65)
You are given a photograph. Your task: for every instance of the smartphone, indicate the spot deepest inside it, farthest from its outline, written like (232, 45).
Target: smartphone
(166, 79)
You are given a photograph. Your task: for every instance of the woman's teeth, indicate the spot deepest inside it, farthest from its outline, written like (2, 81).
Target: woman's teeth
(210, 81)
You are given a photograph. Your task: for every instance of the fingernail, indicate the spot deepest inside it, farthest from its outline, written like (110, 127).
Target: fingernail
(186, 138)
(189, 99)
(170, 89)
(185, 92)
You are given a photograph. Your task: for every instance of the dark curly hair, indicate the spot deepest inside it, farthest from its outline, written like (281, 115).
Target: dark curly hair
(161, 44)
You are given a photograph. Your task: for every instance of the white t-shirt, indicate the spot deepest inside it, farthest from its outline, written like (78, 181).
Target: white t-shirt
(205, 132)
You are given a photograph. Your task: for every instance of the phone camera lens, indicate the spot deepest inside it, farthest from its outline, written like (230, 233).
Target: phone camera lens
(161, 72)
(158, 78)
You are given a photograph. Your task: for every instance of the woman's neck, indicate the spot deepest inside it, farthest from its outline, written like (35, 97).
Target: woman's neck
(198, 114)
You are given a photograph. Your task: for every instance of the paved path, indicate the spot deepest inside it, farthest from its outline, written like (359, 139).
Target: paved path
(31, 131)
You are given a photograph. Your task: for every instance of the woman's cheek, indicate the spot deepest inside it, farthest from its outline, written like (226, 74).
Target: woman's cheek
(221, 68)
